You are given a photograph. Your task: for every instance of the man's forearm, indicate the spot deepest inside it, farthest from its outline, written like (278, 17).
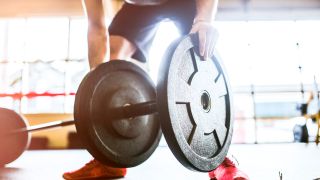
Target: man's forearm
(98, 40)
(206, 10)
(97, 47)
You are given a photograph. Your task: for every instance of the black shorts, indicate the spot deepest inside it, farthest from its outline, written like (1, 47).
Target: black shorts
(139, 24)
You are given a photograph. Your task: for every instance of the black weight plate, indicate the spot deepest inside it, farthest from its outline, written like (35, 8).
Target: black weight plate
(12, 144)
(116, 142)
(194, 104)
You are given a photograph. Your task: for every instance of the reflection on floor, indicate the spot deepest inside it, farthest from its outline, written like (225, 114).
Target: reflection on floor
(263, 161)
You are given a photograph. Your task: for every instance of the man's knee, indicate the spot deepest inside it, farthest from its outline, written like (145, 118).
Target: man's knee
(121, 48)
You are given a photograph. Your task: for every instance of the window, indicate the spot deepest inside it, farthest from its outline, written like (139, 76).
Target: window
(43, 58)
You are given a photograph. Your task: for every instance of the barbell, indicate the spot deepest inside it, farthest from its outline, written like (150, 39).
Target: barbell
(120, 115)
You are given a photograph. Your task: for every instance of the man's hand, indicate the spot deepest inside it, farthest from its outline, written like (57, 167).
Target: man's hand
(208, 37)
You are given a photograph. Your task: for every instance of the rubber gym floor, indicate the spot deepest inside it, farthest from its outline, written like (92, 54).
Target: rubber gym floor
(295, 161)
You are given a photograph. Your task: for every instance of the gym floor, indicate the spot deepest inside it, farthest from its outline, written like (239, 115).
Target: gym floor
(260, 161)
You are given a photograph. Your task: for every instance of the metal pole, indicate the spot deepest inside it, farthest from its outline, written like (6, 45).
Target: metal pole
(254, 114)
(45, 126)
(127, 111)
(134, 110)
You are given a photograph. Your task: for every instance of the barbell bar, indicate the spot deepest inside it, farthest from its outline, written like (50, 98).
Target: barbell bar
(127, 111)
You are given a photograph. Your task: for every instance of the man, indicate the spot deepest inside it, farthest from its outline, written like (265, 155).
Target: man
(131, 34)
(133, 28)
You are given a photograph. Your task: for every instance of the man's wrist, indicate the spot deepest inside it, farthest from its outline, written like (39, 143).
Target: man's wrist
(199, 22)
(202, 19)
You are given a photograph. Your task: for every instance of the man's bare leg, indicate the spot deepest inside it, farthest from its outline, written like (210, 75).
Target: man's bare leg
(121, 48)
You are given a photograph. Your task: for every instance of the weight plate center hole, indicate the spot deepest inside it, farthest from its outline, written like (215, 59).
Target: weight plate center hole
(205, 101)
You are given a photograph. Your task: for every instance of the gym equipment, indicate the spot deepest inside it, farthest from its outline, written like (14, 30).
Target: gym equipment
(255, 119)
(12, 144)
(117, 113)
(314, 109)
(310, 110)
(303, 106)
(109, 121)
(114, 112)
(194, 104)
(300, 133)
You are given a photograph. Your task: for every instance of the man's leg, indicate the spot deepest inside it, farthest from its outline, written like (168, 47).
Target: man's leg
(121, 48)
(131, 34)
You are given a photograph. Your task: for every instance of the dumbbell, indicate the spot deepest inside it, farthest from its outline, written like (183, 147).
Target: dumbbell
(120, 115)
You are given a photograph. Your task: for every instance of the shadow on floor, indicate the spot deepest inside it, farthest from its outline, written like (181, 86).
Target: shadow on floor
(9, 172)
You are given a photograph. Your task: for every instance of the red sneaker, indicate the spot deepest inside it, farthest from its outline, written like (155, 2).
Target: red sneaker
(94, 170)
(227, 170)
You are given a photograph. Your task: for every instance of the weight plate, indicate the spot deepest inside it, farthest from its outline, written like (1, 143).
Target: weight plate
(116, 142)
(13, 143)
(194, 104)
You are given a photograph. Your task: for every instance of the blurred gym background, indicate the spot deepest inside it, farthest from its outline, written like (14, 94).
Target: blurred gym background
(269, 48)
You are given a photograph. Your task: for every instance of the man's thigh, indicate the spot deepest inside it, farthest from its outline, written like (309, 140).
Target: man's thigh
(138, 24)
